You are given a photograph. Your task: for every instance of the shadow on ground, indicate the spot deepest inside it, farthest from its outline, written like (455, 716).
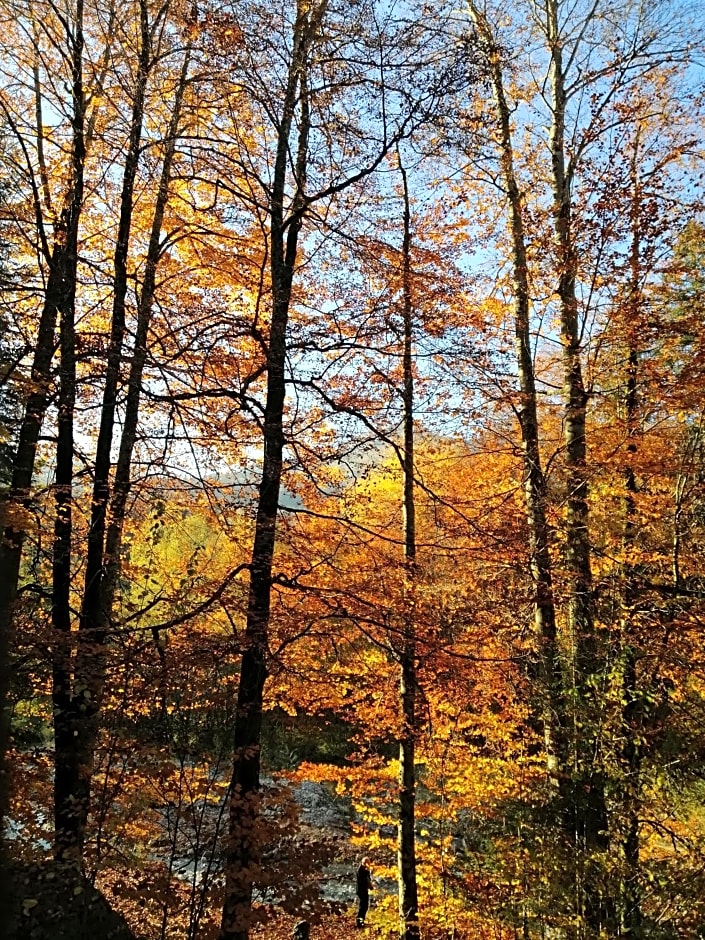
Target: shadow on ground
(50, 902)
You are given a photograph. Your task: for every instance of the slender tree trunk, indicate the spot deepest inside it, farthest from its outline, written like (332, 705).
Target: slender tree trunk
(630, 925)
(18, 505)
(406, 841)
(121, 484)
(550, 675)
(39, 122)
(575, 397)
(586, 812)
(243, 848)
(88, 679)
(61, 270)
(89, 668)
(5, 673)
(68, 821)
(630, 918)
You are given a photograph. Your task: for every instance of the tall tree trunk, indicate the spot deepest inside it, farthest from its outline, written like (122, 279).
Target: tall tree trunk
(575, 397)
(630, 925)
(68, 822)
(586, 809)
(550, 676)
(406, 840)
(18, 500)
(630, 920)
(242, 848)
(17, 505)
(121, 484)
(89, 666)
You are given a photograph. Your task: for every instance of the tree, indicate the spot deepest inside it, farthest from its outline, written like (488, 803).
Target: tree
(582, 57)
(289, 200)
(81, 712)
(79, 668)
(550, 676)
(430, 476)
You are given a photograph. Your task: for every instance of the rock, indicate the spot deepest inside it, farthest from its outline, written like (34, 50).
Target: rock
(338, 883)
(318, 808)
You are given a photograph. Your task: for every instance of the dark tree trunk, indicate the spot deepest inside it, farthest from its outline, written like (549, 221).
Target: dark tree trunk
(630, 924)
(18, 504)
(575, 397)
(585, 810)
(68, 818)
(564, 692)
(406, 848)
(89, 669)
(243, 849)
(121, 484)
(548, 671)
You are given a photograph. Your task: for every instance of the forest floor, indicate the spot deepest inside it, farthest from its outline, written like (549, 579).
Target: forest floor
(335, 927)
(48, 903)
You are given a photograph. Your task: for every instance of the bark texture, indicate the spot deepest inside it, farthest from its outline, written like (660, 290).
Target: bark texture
(629, 918)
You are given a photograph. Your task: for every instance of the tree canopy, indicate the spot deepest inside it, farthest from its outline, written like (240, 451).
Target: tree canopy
(352, 467)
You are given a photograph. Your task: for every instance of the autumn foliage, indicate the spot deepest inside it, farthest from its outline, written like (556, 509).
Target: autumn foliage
(352, 468)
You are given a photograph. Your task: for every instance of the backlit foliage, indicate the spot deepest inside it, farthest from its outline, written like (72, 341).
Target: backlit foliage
(380, 87)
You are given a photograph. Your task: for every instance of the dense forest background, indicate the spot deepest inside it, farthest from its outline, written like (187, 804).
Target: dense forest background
(352, 436)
